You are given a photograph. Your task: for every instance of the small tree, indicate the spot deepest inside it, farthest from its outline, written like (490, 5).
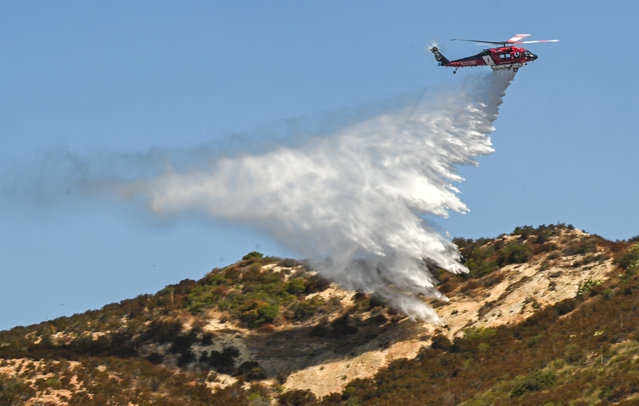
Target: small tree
(295, 286)
(514, 253)
(537, 381)
(253, 255)
(256, 313)
(630, 260)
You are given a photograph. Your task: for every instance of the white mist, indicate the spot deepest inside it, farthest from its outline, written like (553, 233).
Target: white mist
(352, 201)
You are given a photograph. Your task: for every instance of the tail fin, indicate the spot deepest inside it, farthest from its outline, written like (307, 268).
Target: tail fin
(438, 56)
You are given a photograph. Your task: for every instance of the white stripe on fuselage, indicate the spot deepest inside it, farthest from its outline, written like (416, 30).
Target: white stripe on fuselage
(489, 61)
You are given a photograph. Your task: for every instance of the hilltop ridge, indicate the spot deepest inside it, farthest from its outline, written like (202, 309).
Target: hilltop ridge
(269, 330)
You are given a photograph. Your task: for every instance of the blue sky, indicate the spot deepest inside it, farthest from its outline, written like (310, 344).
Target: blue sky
(94, 77)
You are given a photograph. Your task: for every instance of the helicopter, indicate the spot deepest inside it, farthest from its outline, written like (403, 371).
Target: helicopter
(505, 56)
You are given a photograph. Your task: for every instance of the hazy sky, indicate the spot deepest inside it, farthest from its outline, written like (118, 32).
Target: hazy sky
(95, 78)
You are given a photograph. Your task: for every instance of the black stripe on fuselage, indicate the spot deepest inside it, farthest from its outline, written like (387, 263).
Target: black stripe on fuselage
(471, 58)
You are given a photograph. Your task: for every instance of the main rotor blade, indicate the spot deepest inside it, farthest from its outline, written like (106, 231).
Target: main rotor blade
(518, 37)
(532, 42)
(483, 42)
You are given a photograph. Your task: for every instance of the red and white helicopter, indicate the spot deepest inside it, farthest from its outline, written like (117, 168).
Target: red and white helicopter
(506, 56)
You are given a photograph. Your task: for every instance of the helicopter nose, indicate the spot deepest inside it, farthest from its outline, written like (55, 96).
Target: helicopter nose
(533, 56)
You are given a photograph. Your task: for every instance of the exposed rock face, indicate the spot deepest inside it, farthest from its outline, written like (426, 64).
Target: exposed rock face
(514, 292)
(507, 296)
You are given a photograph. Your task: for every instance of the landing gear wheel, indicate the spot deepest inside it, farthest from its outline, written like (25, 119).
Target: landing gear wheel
(515, 70)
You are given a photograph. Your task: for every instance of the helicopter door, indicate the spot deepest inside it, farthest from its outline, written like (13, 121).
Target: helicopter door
(489, 61)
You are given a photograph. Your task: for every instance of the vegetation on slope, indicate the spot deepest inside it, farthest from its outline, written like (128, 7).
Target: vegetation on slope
(581, 351)
(484, 256)
(154, 349)
(143, 340)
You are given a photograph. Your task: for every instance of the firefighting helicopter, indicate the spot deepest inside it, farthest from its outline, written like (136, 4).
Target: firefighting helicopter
(505, 56)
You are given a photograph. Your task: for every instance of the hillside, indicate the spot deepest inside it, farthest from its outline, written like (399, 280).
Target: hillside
(545, 315)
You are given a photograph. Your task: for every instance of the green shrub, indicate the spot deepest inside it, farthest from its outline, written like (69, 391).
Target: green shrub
(53, 383)
(479, 259)
(199, 298)
(524, 232)
(254, 397)
(585, 248)
(587, 286)
(256, 313)
(441, 342)
(254, 274)
(478, 333)
(304, 310)
(483, 347)
(253, 255)
(633, 267)
(16, 385)
(251, 371)
(535, 382)
(349, 392)
(513, 253)
(480, 267)
(532, 341)
(543, 235)
(232, 274)
(630, 260)
(317, 284)
(295, 286)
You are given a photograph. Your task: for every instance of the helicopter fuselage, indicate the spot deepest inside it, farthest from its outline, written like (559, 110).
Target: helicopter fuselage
(507, 57)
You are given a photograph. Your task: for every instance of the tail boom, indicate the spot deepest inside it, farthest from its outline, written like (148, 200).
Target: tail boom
(439, 57)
